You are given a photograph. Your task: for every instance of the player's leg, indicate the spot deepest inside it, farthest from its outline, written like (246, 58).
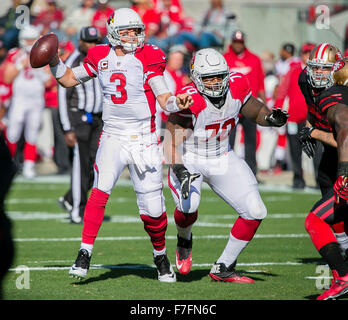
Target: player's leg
(148, 186)
(327, 175)
(318, 224)
(33, 120)
(238, 187)
(185, 215)
(109, 164)
(14, 127)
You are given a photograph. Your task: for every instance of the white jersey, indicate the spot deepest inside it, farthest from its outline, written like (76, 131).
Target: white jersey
(28, 88)
(129, 105)
(211, 126)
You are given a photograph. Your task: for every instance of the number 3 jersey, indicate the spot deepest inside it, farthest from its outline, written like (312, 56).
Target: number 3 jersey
(210, 126)
(129, 104)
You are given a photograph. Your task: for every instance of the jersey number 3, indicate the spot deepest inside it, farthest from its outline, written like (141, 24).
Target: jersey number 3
(120, 80)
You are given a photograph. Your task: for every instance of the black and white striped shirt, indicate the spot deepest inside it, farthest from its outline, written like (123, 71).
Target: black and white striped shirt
(86, 96)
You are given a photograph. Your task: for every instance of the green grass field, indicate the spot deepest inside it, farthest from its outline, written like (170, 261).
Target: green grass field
(281, 258)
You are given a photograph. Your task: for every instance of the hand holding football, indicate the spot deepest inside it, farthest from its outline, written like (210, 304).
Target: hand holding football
(44, 50)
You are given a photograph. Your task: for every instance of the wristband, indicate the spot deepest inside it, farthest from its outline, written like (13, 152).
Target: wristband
(59, 69)
(342, 169)
(171, 105)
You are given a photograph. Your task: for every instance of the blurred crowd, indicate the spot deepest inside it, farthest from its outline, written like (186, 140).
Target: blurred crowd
(272, 75)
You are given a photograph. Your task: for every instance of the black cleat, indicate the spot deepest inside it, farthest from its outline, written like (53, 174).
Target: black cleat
(164, 269)
(80, 268)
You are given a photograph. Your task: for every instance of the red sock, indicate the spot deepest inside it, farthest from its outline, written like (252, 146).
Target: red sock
(156, 229)
(93, 216)
(29, 152)
(184, 220)
(319, 231)
(244, 229)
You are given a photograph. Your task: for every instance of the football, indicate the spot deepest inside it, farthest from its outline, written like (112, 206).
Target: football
(43, 50)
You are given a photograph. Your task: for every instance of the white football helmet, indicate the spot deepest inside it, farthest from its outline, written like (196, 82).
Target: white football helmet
(121, 19)
(29, 32)
(207, 63)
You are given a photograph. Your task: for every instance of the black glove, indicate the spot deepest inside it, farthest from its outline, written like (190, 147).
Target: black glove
(185, 178)
(308, 144)
(277, 118)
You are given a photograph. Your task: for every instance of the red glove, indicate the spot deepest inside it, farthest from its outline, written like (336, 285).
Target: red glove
(341, 189)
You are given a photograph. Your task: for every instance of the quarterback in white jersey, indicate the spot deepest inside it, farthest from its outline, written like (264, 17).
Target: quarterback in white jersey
(27, 101)
(131, 78)
(196, 145)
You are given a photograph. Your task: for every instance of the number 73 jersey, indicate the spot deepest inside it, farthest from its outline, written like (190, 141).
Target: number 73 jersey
(129, 105)
(210, 127)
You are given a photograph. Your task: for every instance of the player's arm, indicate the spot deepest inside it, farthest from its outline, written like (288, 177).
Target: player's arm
(337, 116)
(323, 136)
(166, 99)
(258, 112)
(12, 69)
(64, 75)
(175, 134)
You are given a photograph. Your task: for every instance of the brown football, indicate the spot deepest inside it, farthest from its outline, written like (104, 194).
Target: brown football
(43, 50)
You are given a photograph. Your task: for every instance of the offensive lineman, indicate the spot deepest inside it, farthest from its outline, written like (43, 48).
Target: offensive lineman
(131, 77)
(196, 146)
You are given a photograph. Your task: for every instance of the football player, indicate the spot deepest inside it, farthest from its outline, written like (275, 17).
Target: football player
(27, 101)
(313, 81)
(131, 77)
(196, 145)
(332, 207)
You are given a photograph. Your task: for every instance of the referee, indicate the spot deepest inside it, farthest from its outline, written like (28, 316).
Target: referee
(80, 111)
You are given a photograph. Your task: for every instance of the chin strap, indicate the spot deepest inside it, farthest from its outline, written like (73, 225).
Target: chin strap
(218, 102)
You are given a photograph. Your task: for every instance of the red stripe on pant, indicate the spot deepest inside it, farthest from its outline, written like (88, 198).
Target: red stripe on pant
(156, 229)
(29, 152)
(93, 216)
(319, 231)
(184, 220)
(244, 229)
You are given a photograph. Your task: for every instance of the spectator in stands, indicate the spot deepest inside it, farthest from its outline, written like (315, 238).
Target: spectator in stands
(79, 18)
(240, 59)
(150, 17)
(211, 32)
(297, 110)
(8, 29)
(286, 58)
(101, 15)
(50, 19)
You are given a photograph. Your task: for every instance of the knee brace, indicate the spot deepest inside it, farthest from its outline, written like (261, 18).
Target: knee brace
(151, 204)
(256, 209)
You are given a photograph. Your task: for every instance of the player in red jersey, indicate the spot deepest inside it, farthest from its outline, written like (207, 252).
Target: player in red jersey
(131, 78)
(196, 145)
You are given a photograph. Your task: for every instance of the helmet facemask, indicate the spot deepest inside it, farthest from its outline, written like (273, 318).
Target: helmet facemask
(133, 43)
(215, 89)
(319, 79)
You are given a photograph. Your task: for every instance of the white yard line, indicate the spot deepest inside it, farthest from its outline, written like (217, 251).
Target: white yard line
(198, 265)
(132, 238)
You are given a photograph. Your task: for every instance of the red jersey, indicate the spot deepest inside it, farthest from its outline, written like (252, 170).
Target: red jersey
(289, 88)
(248, 64)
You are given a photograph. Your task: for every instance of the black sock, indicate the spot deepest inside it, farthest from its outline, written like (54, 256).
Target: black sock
(332, 255)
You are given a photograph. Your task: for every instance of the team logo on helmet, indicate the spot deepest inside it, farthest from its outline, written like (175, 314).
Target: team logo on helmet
(338, 65)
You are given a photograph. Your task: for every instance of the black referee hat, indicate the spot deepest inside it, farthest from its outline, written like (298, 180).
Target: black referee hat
(89, 34)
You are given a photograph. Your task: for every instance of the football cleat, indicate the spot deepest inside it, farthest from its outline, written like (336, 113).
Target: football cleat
(219, 272)
(64, 204)
(338, 288)
(183, 258)
(164, 269)
(80, 268)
